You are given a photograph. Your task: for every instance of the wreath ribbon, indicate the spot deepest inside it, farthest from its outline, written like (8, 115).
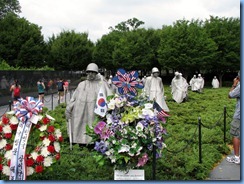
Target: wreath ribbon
(25, 111)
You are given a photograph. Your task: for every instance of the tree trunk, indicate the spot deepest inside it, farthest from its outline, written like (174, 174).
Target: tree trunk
(220, 79)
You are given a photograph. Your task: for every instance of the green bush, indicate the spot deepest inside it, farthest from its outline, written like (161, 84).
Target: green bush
(180, 160)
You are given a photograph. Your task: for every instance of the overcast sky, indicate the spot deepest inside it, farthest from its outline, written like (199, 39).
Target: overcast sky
(96, 16)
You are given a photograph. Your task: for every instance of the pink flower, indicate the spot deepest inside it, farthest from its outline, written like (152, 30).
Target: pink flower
(143, 160)
(99, 127)
(105, 134)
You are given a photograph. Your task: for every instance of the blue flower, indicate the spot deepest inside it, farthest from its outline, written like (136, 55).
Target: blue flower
(101, 147)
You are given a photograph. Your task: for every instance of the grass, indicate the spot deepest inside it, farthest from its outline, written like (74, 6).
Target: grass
(180, 159)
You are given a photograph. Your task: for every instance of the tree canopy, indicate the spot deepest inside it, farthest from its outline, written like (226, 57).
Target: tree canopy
(189, 46)
(70, 51)
(22, 43)
(9, 6)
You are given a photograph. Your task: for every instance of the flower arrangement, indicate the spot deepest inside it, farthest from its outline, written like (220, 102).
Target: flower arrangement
(129, 131)
(43, 148)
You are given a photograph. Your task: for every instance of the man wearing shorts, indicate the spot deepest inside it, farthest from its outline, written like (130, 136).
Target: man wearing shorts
(235, 124)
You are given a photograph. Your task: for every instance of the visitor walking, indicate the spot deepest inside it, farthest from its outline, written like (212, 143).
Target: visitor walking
(41, 90)
(60, 87)
(15, 90)
(235, 124)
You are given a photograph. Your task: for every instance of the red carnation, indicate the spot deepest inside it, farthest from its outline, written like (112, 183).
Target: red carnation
(5, 120)
(57, 156)
(8, 135)
(51, 149)
(45, 120)
(51, 138)
(39, 169)
(1, 128)
(8, 147)
(60, 139)
(42, 137)
(39, 158)
(30, 162)
(37, 126)
(1, 167)
(13, 127)
(50, 129)
(9, 162)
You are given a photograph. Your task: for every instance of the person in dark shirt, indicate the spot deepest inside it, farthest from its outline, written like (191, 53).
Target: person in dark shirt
(60, 87)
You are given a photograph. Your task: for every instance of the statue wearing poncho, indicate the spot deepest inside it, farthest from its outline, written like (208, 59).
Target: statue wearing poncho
(80, 109)
(154, 89)
(179, 88)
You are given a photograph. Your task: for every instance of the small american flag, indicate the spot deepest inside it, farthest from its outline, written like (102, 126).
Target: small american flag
(161, 113)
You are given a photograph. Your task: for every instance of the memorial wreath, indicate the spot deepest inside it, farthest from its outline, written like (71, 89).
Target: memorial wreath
(19, 158)
(132, 126)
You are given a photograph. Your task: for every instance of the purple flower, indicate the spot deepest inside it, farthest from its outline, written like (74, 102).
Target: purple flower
(101, 147)
(99, 127)
(144, 122)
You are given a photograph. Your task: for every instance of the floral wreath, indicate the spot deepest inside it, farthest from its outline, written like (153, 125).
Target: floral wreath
(133, 125)
(43, 148)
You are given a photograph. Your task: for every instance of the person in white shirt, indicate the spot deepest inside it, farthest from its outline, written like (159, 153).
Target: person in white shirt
(154, 89)
(215, 82)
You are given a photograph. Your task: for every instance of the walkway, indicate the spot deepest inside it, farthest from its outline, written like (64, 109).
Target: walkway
(226, 171)
(50, 101)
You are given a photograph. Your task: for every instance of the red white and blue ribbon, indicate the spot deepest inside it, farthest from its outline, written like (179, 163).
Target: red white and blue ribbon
(25, 111)
(127, 82)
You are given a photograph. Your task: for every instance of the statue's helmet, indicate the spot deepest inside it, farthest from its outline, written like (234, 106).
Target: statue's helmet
(154, 70)
(92, 67)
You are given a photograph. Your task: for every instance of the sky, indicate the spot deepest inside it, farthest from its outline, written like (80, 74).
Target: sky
(96, 16)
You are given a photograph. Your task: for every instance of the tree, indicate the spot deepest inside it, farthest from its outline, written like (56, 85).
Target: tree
(21, 42)
(226, 34)
(9, 6)
(103, 52)
(185, 47)
(129, 25)
(132, 50)
(70, 51)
